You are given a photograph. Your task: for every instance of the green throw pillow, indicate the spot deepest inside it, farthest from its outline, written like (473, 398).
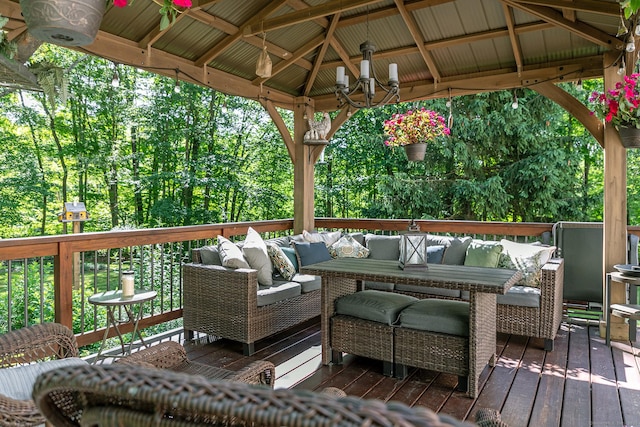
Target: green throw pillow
(482, 253)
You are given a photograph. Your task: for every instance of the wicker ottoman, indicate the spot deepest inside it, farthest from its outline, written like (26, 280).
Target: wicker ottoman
(363, 325)
(434, 334)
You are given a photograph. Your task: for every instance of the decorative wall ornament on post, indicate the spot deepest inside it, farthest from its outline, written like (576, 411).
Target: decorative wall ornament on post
(63, 22)
(318, 130)
(413, 248)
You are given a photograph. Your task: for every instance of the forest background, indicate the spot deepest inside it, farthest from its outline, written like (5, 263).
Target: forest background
(142, 155)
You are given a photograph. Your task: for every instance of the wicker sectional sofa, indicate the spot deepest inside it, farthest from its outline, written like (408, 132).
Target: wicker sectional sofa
(230, 303)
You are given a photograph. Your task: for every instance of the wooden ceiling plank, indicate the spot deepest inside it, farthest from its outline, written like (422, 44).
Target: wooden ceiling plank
(199, 4)
(579, 28)
(321, 54)
(412, 26)
(386, 12)
(594, 6)
(515, 43)
(308, 47)
(219, 48)
(409, 50)
(308, 14)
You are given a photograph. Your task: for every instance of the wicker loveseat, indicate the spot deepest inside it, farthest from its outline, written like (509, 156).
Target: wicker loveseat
(116, 395)
(224, 302)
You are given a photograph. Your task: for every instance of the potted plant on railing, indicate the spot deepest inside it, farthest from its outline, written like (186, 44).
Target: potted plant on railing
(413, 130)
(619, 107)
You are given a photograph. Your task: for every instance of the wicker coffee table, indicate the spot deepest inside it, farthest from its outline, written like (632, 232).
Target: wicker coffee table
(341, 276)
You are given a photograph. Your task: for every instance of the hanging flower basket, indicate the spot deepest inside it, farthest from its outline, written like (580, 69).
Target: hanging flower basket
(415, 152)
(629, 136)
(413, 129)
(63, 22)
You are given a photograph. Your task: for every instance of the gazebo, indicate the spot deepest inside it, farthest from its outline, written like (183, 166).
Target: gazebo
(442, 48)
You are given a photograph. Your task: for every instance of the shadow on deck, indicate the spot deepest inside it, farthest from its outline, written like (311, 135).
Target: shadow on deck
(581, 383)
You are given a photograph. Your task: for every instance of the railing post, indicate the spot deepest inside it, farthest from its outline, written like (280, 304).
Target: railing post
(62, 284)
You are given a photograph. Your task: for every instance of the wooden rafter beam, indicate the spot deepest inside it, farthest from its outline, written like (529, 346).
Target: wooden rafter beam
(229, 28)
(576, 108)
(216, 50)
(344, 57)
(129, 53)
(156, 33)
(513, 38)
(412, 26)
(282, 127)
(440, 44)
(386, 12)
(595, 6)
(320, 56)
(304, 15)
(554, 17)
(308, 47)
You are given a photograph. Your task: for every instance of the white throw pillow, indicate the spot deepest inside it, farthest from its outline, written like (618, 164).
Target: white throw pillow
(328, 237)
(230, 254)
(528, 258)
(255, 252)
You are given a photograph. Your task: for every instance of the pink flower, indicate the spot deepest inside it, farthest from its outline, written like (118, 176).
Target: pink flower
(182, 3)
(119, 3)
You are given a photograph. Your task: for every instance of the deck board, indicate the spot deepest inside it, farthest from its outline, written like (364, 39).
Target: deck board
(576, 411)
(582, 382)
(546, 408)
(604, 392)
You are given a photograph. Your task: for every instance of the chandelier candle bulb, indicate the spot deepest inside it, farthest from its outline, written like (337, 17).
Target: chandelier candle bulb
(393, 72)
(340, 75)
(126, 283)
(364, 69)
(346, 83)
(372, 86)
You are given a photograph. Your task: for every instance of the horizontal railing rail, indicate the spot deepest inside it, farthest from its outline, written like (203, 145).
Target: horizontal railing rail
(35, 264)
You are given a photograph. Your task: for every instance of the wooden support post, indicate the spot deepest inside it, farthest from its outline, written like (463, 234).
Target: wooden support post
(303, 169)
(63, 294)
(615, 204)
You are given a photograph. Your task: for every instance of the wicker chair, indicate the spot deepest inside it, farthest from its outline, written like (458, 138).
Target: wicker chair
(115, 395)
(172, 356)
(33, 344)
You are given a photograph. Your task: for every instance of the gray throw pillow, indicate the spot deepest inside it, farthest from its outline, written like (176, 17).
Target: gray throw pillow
(383, 247)
(311, 253)
(435, 254)
(209, 255)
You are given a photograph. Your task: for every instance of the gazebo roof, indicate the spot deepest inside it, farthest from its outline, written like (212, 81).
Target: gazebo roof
(440, 46)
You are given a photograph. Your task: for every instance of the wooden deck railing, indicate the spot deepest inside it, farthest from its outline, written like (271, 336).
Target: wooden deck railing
(157, 255)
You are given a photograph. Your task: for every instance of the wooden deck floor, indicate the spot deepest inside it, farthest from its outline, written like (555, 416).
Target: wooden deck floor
(581, 383)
